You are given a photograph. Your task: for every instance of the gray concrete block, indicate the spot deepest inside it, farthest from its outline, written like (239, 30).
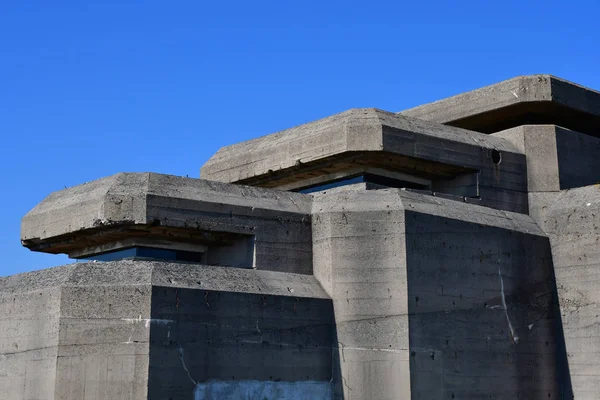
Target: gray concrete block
(94, 217)
(379, 139)
(475, 278)
(524, 100)
(557, 158)
(454, 298)
(572, 220)
(152, 330)
(29, 326)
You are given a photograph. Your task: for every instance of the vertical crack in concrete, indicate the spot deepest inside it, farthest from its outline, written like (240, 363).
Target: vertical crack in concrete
(515, 338)
(185, 367)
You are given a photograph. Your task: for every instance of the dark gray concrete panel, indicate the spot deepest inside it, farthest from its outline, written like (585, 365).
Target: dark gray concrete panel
(498, 177)
(538, 142)
(572, 221)
(482, 320)
(237, 338)
(557, 158)
(578, 158)
(435, 297)
(524, 100)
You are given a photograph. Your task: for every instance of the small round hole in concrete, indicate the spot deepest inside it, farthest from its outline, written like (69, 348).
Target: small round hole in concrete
(496, 157)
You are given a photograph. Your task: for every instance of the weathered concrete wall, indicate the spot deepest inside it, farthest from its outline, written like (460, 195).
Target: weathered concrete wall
(263, 333)
(481, 304)
(557, 158)
(153, 330)
(359, 259)
(572, 220)
(435, 298)
(355, 130)
(578, 158)
(65, 332)
(103, 335)
(228, 341)
(279, 221)
(499, 185)
(170, 208)
(392, 142)
(522, 89)
(28, 339)
(524, 100)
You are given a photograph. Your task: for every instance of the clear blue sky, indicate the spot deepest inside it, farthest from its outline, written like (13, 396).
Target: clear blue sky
(93, 88)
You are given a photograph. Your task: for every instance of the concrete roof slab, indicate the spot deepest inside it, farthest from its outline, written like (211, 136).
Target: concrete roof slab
(532, 99)
(356, 137)
(271, 229)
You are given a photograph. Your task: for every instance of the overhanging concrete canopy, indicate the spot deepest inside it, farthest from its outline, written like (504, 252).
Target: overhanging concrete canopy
(362, 137)
(524, 100)
(145, 208)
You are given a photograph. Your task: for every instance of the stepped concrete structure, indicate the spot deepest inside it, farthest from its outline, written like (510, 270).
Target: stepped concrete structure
(449, 251)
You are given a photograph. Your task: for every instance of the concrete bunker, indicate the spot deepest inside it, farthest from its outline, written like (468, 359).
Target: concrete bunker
(478, 280)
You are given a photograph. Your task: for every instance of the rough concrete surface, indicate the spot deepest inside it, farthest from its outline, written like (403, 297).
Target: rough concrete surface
(572, 220)
(524, 100)
(464, 266)
(435, 298)
(152, 330)
(557, 158)
(167, 207)
(458, 161)
(362, 129)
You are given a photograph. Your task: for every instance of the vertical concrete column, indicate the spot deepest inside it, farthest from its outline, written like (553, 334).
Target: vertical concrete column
(359, 258)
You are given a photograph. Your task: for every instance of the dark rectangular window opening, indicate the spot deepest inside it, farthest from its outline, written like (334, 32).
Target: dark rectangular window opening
(148, 253)
(226, 250)
(363, 178)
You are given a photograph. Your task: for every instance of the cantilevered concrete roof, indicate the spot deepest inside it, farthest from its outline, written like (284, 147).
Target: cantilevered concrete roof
(130, 209)
(357, 138)
(524, 100)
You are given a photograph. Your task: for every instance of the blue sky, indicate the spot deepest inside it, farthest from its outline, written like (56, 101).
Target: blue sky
(93, 88)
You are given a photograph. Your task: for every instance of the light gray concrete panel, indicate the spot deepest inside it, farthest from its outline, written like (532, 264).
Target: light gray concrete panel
(502, 94)
(28, 342)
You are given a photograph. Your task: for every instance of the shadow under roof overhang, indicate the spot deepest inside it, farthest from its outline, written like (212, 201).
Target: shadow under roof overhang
(524, 100)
